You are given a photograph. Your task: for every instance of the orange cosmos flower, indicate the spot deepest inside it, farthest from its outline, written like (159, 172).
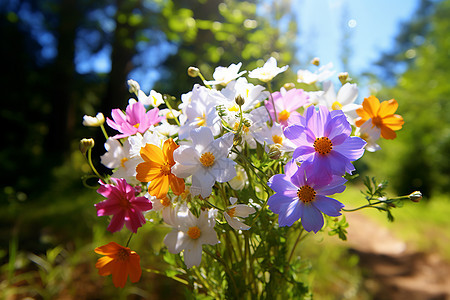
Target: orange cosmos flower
(120, 262)
(382, 116)
(157, 169)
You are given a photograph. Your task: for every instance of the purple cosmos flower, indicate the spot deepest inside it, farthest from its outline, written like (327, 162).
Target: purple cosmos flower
(324, 143)
(286, 104)
(136, 119)
(122, 203)
(297, 196)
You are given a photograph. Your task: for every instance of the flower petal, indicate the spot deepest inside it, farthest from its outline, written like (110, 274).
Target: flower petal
(312, 219)
(328, 206)
(387, 108)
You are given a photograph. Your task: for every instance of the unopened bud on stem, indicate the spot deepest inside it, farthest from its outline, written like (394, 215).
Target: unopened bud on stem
(86, 144)
(415, 196)
(343, 78)
(239, 100)
(274, 152)
(315, 61)
(193, 71)
(289, 86)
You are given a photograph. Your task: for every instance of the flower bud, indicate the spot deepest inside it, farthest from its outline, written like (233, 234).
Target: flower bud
(274, 152)
(315, 61)
(237, 140)
(343, 77)
(415, 196)
(221, 110)
(96, 121)
(239, 100)
(289, 86)
(86, 144)
(133, 86)
(193, 71)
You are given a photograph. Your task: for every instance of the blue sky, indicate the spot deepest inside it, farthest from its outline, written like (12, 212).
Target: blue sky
(373, 25)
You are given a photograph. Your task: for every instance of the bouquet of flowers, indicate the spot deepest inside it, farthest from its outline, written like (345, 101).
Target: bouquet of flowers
(241, 174)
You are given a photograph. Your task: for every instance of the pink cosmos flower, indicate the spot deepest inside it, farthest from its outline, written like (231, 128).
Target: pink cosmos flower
(135, 120)
(123, 205)
(286, 105)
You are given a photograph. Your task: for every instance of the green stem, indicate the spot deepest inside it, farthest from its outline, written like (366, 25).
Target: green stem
(373, 205)
(89, 158)
(170, 107)
(104, 131)
(129, 239)
(162, 273)
(227, 270)
(295, 245)
(204, 80)
(269, 87)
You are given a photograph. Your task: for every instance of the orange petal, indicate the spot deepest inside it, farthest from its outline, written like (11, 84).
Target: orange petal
(148, 171)
(388, 108)
(152, 153)
(176, 184)
(104, 265)
(134, 268)
(168, 148)
(394, 122)
(371, 106)
(109, 249)
(159, 187)
(387, 133)
(120, 274)
(360, 121)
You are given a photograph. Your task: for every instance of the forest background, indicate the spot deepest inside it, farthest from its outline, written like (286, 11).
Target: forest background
(47, 221)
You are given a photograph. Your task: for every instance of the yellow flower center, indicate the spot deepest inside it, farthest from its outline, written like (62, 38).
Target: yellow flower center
(122, 162)
(231, 212)
(284, 115)
(123, 254)
(377, 121)
(323, 145)
(234, 108)
(201, 121)
(207, 159)
(336, 106)
(165, 201)
(277, 139)
(194, 232)
(136, 125)
(165, 169)
(306, 194)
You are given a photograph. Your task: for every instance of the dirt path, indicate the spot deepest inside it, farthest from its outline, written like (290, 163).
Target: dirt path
(393, 270)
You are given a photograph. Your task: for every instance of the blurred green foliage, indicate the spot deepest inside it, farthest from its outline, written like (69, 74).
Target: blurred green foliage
(418, 159)
(218, 33)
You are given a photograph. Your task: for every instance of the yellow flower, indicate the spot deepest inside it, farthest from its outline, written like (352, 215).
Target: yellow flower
(382, 116)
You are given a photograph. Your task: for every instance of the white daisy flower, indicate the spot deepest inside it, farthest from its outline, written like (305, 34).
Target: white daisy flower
(189, 234)
(343, 100)
(206, 160)
(235, 212)
(223, 75)
(199, 109)
(267, 72)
